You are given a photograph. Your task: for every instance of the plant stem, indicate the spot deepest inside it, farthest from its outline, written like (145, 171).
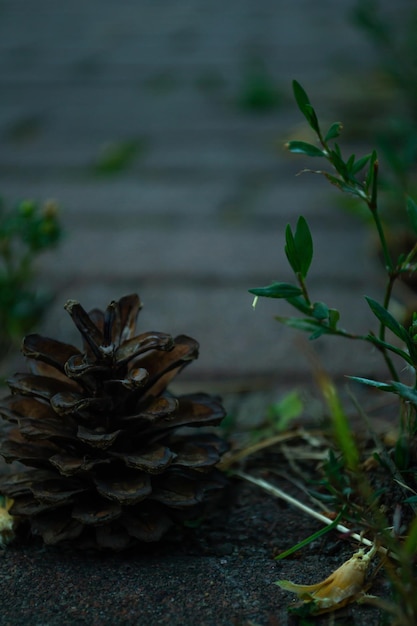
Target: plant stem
(392, 276)
(388, 292)
(303, 288)
(372, 203)
(382, 239)
(409, 258)
(389, 266)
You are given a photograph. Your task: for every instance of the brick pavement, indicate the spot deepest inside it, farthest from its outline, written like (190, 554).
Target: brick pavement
(198, 217)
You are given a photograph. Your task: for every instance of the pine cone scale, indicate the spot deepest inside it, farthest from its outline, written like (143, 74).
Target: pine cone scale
(130, 489)
(37, 386)
(128, 310)
(178, 491)
(97, 439)
(195, 455)
(55, 491)
(70, 466)
(148, 526)
(92, 336)
(34, 454)
(49, 351)
(56, 528)
(50, 429)
(141, 344)
(69, 403)
(155, 460)
(96, 511)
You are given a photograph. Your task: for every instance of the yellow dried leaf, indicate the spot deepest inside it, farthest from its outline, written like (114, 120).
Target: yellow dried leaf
(344, 585)
(6, 524)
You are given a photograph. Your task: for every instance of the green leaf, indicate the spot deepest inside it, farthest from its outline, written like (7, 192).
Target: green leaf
(337, 151)
(299, 247)
(334, 131)
(342, 185)
(290, 406)
(304, 245)
(370, 176)
(412, 213)
(409, 500)
(371, 383)
(318, 333)
(281, 414)
(300, 323)
(118, 156)
(309, 539)
(340, 421)
(305, 106)
(277, 290)
(300, 303)
(388, 320)
(410, 544)
(334, 317)
(306, 325)
(360, 164)
(402, 453)
(320, 311)
(408, 393)
(300, 96)
(291, 250)
(350, 162)
(338, 162)
(384, 344)
(302, 147)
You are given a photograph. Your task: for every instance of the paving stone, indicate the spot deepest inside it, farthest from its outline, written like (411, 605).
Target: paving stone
(203, 254)
(255, 201)
(236, 342)
(200, 215)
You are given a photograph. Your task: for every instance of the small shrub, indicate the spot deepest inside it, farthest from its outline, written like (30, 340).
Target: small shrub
(25, 232)
(365, 507)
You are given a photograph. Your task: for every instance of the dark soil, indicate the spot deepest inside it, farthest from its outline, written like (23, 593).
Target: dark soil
(221, 573)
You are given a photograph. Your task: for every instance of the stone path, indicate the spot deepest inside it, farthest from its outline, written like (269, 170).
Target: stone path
(198, 216)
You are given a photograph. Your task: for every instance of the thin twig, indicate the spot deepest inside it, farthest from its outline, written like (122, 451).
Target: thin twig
(275, 491)
(239, 455)
(301, 487)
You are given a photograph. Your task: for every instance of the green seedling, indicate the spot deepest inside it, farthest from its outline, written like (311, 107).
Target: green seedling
(344, 480)
(25, 232)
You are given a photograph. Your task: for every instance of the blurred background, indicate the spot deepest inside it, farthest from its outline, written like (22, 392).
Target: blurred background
(158, 127)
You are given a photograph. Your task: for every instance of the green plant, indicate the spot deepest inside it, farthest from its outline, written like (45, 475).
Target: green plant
(344, 479)
(258, 91)
(319, 318)
(25, 232)
(394, 126)
(116, 157)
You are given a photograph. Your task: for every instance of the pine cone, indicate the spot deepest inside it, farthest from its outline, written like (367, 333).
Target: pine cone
(106, 462)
